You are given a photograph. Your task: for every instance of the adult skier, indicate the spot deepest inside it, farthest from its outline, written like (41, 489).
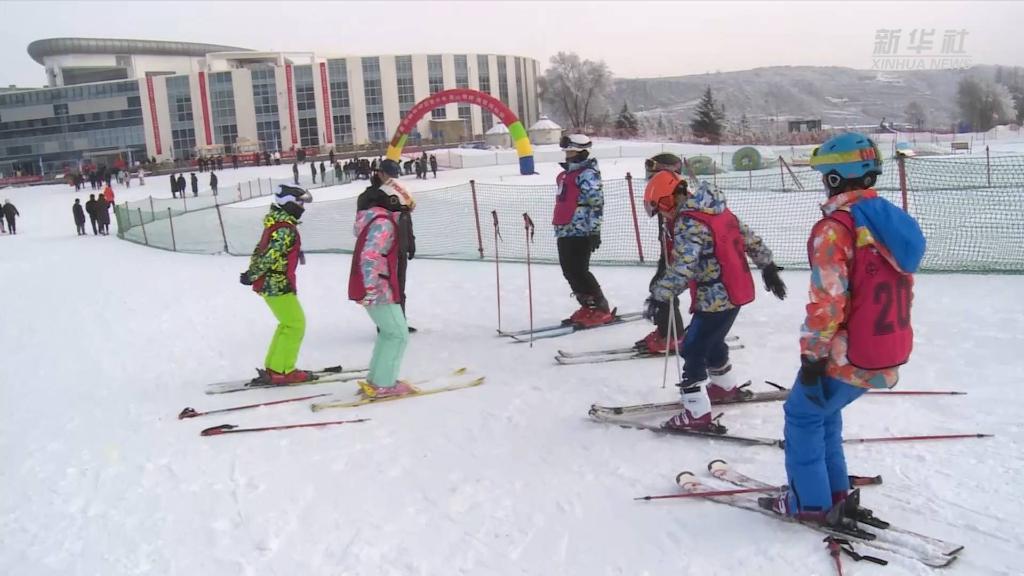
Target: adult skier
(862, 254)
(708, 250)
(373, 283)
(271, 274)
(659, 340)
(579, 208)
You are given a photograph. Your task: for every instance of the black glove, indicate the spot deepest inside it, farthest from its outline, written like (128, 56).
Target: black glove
(595, 242)
(811, 373)
(411, 254)
(651, 308)
(772, 282)
(244, 279)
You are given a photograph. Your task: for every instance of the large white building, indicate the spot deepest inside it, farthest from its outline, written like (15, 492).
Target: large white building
(170, 100)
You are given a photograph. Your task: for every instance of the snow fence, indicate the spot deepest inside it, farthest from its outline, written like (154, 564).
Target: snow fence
(971, 210)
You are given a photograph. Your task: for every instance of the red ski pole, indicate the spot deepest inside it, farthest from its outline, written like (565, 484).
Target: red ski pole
(191, 412)
(529, 275)
(915, 438)
(232, 429)
(833, 551)
(497, 264)
(712, 493)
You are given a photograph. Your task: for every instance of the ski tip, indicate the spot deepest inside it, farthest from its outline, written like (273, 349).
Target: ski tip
(776, 386)
(717, 465)
(215, 430)
(187, 413)
(685, 478)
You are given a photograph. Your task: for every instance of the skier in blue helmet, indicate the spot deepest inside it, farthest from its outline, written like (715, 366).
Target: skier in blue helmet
(857, 332)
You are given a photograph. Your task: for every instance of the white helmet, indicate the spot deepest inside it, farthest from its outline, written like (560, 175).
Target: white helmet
(575, 142)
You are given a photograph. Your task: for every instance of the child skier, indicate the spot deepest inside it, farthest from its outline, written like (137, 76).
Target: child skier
(862, 253)
(373, 283)
(707, 255)
(579, 208)
(271, 274)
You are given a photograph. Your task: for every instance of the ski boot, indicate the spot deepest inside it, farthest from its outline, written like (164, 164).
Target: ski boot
(374, 392)
(696, 413)
(655, 343)
(834, 519)
(596, 313)
(290, 378)
(723, 389)
(852, 509)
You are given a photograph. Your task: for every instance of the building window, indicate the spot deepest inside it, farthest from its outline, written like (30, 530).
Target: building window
(483, 66)
(183, 134)
(435, 79)
(462, 81)
(375, 126)
(338, 72)
(343, 128)
(308, 135)
(519, 88)
(502, 80)
(406, 89)
(183, 141)
(222, 105)
(306, 103)
(264, 96)
(268, 132)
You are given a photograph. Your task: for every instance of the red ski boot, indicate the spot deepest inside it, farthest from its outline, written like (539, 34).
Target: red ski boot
(696, 414)
(723, 389)
(289, 378)
(654, 343)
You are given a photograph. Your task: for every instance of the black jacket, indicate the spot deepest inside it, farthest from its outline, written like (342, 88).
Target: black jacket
(90, 208)
(79, 213)
(406, 237)
(195, 183)
(10, 211)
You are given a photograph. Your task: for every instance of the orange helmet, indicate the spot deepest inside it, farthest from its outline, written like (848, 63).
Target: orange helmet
(660, 194)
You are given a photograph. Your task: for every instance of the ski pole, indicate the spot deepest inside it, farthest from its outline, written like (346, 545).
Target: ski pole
(232, 429)
(915, 438)
(673, 330)
(833, 551)
(497, 264)
(529, 275)
(712, 493)
(191, 412)
(917, 393)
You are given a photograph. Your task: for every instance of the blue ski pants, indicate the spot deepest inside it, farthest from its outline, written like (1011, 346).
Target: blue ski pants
(704, 344)
(815, 462)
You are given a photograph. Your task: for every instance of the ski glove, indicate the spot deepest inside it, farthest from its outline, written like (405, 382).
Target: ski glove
(811, 373)
(772, 282)
(651, 308)
(595, 242)
(244, 278)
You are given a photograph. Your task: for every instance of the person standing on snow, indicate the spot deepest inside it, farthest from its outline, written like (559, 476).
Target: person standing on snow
(857, 332)
(271, 274)
(433, 165)
(708, 253)
(312, 168)
(295, 172)
(174, 185)
(323, 174)
(10, 213)
(579, 209)
(665, 312)
(194, 180)
(79, 214)
(103, 214)
(90, 209)
(373, 283)
(213, 183)
(108, 194)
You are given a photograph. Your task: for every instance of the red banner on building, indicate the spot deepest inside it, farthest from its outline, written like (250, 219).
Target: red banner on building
(291, 103)
(328, 121)
(152, 115)
(206, 108)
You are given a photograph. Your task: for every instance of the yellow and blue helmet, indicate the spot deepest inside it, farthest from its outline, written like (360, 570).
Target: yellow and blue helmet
(850, 155)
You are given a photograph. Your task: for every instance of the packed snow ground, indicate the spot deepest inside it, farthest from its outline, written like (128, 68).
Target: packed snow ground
(104, 342)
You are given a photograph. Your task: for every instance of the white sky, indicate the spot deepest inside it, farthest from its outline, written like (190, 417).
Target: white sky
(636, 39)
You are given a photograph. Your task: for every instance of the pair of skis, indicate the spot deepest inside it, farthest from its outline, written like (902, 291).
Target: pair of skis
(884, 536)
(565, 328)
(322, 376)
(619, 354)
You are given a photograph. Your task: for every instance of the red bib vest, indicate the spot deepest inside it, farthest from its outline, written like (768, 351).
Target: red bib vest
(731, 253)
(568, 197)
(356, 282)
(293, 256)
(878, 313)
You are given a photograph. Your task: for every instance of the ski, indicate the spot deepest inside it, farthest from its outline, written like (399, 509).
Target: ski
(615, 355)
(364, 400)
(192, 413)
(733, 342)
(556, 330)
(323, 376)
(897, 536)
(676, 405)
(625, 422)
(687, 481)
(232, 429)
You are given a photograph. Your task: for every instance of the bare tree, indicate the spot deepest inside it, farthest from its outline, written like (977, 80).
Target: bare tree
(577, 88)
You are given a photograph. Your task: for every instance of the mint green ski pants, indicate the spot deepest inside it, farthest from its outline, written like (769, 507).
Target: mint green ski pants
(291, 327)
(389, 348)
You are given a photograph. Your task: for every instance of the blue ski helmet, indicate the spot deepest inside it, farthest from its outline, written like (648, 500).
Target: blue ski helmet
(851, 155)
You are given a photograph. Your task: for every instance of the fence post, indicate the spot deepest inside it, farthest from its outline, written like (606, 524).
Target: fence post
(497, 264)
(529, 274)
(145, 238)
(636, 222)
(250, 189)
(782, 174)
(183, 202)
(223, 234)
(270, 186)
(170, 219)
(901, 163)
(988, 166)
(152, 211)
(259, 186)
(476, 216)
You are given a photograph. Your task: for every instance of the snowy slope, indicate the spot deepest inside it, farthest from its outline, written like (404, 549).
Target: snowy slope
(105, 341)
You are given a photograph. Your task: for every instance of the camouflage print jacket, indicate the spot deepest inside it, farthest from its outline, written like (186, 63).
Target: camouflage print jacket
(693, 254)
(277, 262)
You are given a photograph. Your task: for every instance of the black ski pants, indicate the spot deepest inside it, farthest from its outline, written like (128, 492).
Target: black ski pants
(574, 258)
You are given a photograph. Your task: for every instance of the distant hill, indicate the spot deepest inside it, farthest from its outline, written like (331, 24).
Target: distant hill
(838, 96)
